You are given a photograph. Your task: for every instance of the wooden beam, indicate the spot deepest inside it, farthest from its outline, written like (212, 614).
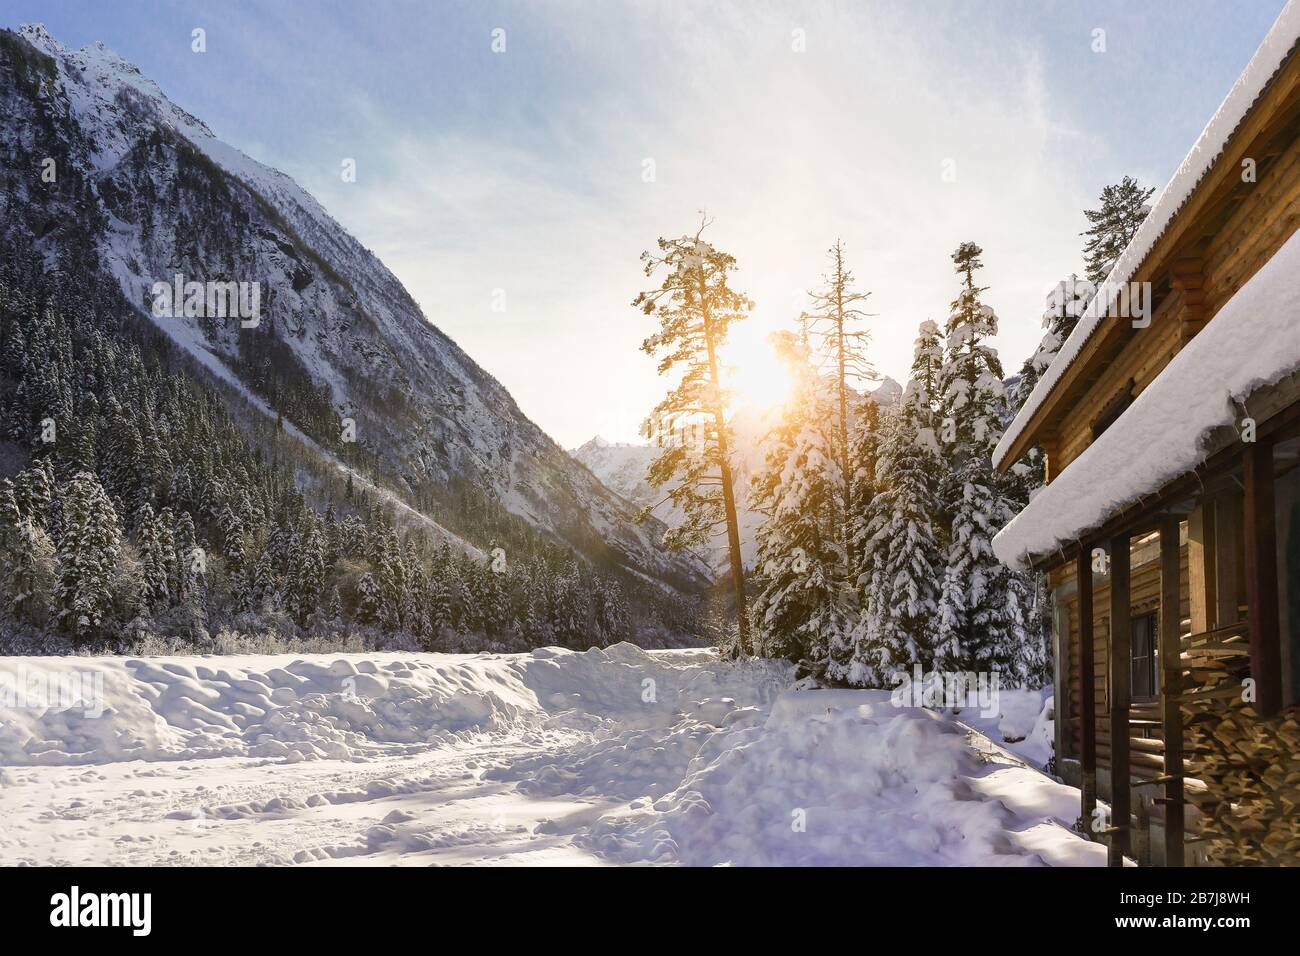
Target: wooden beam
(1188, 276)
(1087, 693)
(1261, 577)
(1200, 567)
(1228, 552)
(1121, 664)
(1171, 674)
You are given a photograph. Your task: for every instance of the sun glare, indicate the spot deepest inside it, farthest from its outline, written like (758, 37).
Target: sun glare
(755, 375)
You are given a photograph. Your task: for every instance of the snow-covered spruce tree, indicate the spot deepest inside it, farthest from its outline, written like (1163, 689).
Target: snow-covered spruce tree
(838, 308)
(89, 552)
(307, 584)
(391, 575)
(262, 589)
(26, 559)
(34, 494)
(900, 533)
(438, 606)
(495, 600)
(695, 306)
(980, 618)
(30, 571)
(802, 610)
(155, 591)
(233, 537)
(538, 621)
(1065, 304)
(1123, 209)
(611, 613)
(190, 563)
(369, 600)
(11, 516)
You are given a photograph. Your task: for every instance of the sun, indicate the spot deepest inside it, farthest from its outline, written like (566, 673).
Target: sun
(754, 374)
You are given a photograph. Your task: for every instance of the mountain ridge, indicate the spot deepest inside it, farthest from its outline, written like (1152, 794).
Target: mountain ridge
(156, 193)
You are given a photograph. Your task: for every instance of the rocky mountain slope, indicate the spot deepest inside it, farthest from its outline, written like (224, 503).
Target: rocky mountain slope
(95, 156)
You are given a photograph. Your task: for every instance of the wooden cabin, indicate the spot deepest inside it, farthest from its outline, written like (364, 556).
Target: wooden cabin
(1169, 526)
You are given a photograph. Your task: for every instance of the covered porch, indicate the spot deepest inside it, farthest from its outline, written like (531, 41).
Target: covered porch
(1166, 678)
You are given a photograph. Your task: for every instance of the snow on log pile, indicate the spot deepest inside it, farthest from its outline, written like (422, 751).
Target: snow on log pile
(1253, 341)
(611, 755)
(1281, 38)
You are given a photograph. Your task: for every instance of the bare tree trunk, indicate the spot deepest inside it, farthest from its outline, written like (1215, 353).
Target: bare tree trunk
(844, 414)
(728, 495)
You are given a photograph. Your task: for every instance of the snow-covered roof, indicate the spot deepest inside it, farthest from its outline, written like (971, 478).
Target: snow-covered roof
(1253, 341)
(1279, 42)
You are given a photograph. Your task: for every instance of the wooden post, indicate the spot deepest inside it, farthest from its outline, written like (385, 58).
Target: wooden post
(1261, 578)
(1121, 665)
(1063, 737)
(1228, 513)
(1087, 689)
(1171, 678)
(1200, 567)
(1142, 833)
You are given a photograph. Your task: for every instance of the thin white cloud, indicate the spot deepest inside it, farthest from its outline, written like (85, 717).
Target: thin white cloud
(788, 151)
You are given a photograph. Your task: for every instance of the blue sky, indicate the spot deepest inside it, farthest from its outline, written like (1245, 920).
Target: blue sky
(523, 171)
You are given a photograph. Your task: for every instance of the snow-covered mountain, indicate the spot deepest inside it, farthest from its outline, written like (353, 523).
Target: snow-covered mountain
(156, 194)
(622, 467)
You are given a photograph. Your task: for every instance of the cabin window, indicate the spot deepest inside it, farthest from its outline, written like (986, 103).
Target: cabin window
(1145, 655)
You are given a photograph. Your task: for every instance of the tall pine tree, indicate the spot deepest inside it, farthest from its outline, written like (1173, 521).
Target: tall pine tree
(900, 534)
(837, 311)
(696, 305)
(981, 606)
(1111, 226)
(89, 553)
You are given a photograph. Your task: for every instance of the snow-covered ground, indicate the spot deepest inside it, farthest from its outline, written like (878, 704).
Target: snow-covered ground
(554, 757)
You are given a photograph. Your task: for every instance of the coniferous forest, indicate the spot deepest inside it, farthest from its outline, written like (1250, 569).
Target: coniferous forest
(875, 551)
(146, 512)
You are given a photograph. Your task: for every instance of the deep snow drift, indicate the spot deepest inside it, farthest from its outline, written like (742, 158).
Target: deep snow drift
(604, 756)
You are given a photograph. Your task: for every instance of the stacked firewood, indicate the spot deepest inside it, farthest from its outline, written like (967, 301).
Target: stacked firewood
(1250, 765)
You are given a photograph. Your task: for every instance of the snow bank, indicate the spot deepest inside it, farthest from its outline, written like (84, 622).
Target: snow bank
(295, 709)
(350, 707)
(613, 755)
(858, 782)
(1024, 724)
(1251, 342)
(1283, 35)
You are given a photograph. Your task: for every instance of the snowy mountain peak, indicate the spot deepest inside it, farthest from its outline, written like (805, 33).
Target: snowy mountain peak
(598, 443)
(887, 393)
(39, 37)
(593, 444)
(338, 339)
